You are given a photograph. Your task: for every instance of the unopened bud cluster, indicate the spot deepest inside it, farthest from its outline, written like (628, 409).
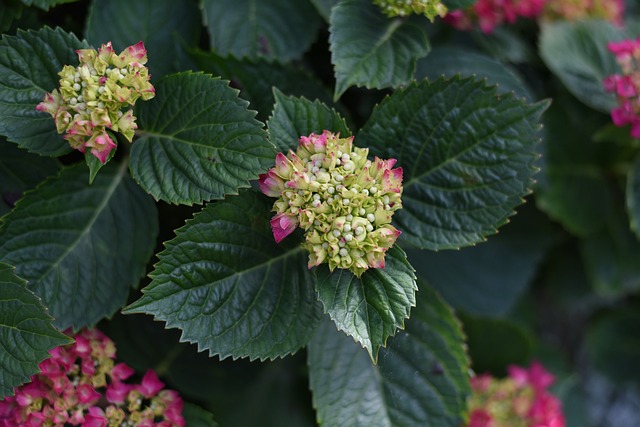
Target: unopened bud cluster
(98, 95)
(626, 86)
(428, 8)
(81, 385)
(343, 201)
(521, 400)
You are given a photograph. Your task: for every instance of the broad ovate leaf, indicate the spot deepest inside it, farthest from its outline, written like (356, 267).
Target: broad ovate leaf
(29, 66)
(230, 288)
(371, 50)
(467, 154)
(275, 29)
(295, 117)
(81, 247)
(421, 379)
(199, 143)
(576, 52)
(26, 332)
(372, 307)
(160, 25)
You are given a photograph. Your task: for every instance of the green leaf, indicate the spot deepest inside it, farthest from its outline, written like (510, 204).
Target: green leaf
(369, 49)
(576, 52)
(294, 117)
(256, 78)
(449, 61)
(11, 11)
(324, 7)
(95, 164)
(613, 345)
(26, 332)
(457, 4)
(373, 307)
(421, 380)
(488, 279)
(230, 288)
(195, 416)
(29, 66)
(632, 196)
(506, 44)
(275, 29)
(462, 176)
(494, 344)
(46, 4)
(156, 23)
(20, 171)
(199, 141)
(80, 246)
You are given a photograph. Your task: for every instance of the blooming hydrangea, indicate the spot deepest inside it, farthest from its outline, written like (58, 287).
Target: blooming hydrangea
(93, 95)
(627, 85)
(489, 14)
(81, 385)
(343, 201)
(429, 8)
(521, 400)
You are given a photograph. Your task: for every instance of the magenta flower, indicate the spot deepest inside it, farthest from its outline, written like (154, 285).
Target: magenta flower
(343, 201)
(626, 86)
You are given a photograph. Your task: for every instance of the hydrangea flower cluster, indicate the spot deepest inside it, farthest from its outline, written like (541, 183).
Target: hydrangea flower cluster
(627, 85)
(81, 385)
(428, 8)
(342, 200)
(489, 14)
(521, 400)
(574, 10)
(93, 95)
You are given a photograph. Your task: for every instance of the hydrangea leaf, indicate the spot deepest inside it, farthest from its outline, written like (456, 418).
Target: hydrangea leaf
(421, 380)
(158, 24)
(199, 141)
(324, 7)
(633, 196)
(83, 259)
(373, 307)
(275, 29)
(294, 117)
(26, 332)
(20, 171)
(256, 78)
(488, 279)
(11, 11)
(368, 49)
(457, 4)
(230, 288)
(45, 4)
(576, 52)
(467, 156)
(195, 416)
(25, 77)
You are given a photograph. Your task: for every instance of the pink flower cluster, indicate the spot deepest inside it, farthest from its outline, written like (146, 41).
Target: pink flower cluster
(81, 385)
(489, 14)
(521, 400)
(626, 86)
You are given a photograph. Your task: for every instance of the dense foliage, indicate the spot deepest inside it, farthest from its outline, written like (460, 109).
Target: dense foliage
(323, 212)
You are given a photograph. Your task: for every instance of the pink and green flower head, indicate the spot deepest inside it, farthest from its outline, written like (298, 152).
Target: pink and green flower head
(97, 96)
(428, 8)
(626, 86)
(343, 201)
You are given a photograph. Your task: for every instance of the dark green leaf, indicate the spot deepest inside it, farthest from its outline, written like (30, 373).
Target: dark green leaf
(11, 11)
(195, 416)
(276, 29)
(20, 171)
(373, 307)
(324, 7)
(576, 52)
(496, 343)
(29, 66)
(230, 288)
(421, 379)
(81, 247)
(156, 23)
(46, 4)
(614, 345)
(632, 196)
(457, 4)
(199, 141)
(488, 279)
(295, 117)
(467, 154)
(449, 61)
(256, 79)
(26, 332)
(506, 44)
(369, 49)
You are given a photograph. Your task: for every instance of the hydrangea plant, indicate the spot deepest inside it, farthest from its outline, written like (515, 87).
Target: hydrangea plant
(327, 212)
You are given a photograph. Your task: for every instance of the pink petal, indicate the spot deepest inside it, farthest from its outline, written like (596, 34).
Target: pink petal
(282, 225)
(150, 385)
(271, 184)
(137, 51)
